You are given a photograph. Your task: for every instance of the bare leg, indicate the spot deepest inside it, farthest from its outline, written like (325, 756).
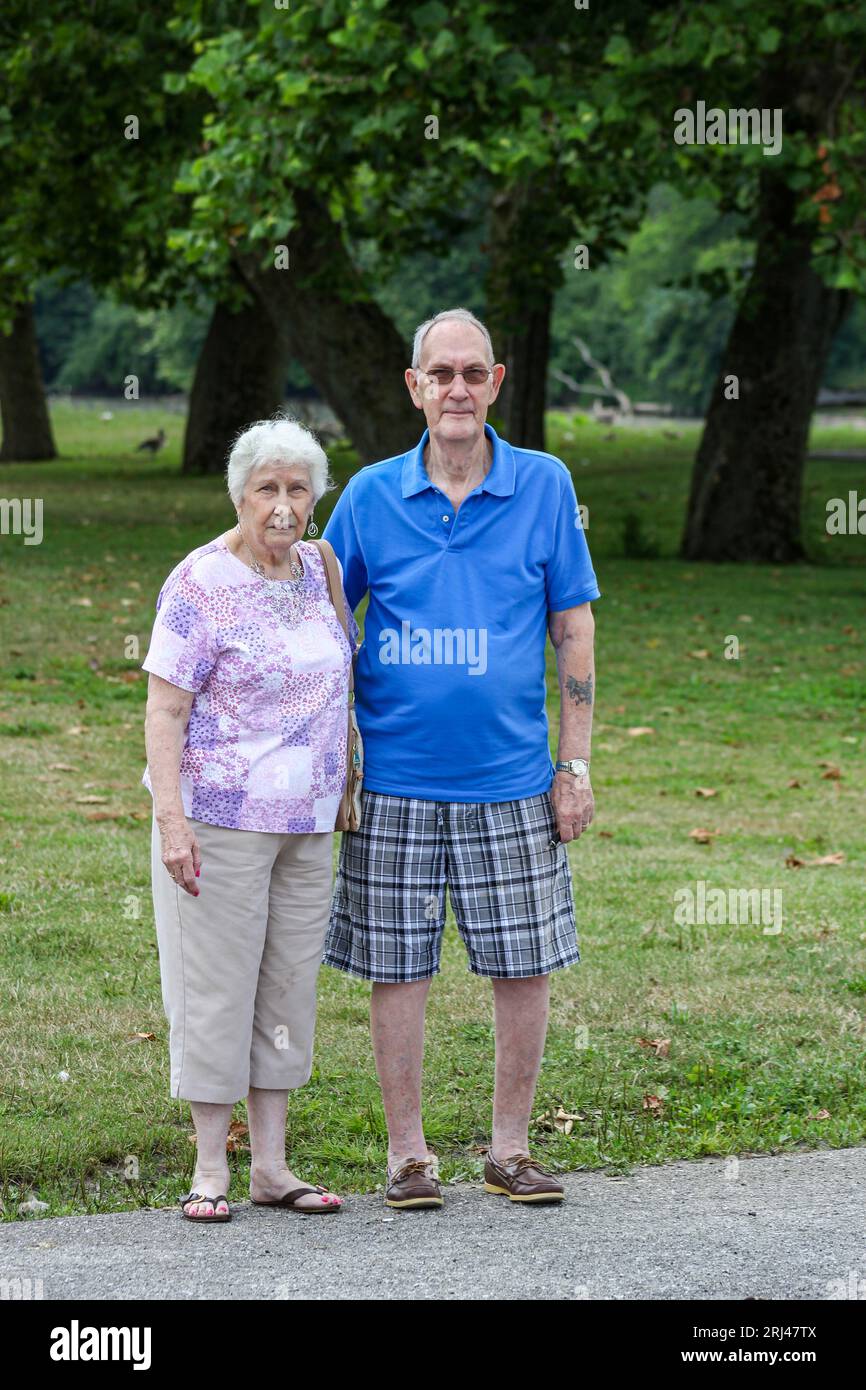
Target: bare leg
(270, 1177)
(521, 1010)
(397, 1031)
(211, 1166)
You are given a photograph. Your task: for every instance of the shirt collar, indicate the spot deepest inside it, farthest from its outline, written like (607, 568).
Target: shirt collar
(499, 481)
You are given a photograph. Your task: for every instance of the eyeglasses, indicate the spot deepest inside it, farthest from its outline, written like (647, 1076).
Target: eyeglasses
(473, 376)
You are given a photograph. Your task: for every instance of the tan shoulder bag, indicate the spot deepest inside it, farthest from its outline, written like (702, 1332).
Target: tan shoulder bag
(349, 814)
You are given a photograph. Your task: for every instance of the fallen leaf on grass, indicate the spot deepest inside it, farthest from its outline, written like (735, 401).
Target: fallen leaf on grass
(653, 1105)
(794, 784)
(61, 767)
(640, 729)
(82, 602)
(32, 1207)
(793, 861)
(705, 791)
(90, 800)
(237, 1132)
(833, 774)
(562, 1120)
(703, 837)
(141, 1037)
(821, 1115)
(700, 655)
(605, 834)
(661, 1046)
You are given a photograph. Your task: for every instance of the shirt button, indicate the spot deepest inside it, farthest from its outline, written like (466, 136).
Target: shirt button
(446, 518)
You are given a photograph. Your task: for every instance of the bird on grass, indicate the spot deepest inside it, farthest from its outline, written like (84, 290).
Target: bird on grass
(153, 445)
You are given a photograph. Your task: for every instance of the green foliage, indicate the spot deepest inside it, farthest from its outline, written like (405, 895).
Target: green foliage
(90, 344)
(105, 351)
(81, 199)
(802, 58)
(659, 313)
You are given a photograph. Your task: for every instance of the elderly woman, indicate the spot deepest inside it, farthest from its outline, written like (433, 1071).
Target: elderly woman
(246, 748)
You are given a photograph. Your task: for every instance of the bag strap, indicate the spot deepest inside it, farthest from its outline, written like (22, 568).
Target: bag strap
(335, 589)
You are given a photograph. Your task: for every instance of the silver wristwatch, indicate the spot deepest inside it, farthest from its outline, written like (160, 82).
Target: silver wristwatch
(578, 766)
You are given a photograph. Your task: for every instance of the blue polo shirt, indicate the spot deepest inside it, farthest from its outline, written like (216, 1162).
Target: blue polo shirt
(450, 687)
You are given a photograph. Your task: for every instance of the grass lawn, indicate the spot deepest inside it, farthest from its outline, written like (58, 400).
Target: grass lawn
(760, 1035)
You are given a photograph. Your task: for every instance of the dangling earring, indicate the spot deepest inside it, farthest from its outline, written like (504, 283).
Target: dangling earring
(312, 528)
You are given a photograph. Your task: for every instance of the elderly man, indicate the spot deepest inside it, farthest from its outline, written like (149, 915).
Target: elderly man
(471, 551)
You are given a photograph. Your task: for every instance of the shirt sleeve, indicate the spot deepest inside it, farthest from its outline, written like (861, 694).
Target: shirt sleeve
(184, 644)
(343, 535)
(569, 577)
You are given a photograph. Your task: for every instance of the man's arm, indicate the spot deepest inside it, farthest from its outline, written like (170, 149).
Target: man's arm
(572, 632)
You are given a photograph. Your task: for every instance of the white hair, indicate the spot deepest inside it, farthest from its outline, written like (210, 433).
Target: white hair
(463, 316)
(279, 440)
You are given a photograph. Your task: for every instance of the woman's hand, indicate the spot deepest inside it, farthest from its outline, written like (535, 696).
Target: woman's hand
(165, 723)
(180, 853)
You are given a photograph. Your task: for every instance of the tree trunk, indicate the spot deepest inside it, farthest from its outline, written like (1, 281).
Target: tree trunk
(747, 478)
(27, 434)
(348, 346)
(240, 377)
(521, 401)
(523, 271)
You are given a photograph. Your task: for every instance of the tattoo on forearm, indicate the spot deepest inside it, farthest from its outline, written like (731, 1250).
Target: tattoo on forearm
(580, 691)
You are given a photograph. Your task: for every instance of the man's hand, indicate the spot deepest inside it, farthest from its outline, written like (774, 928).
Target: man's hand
(573, 805)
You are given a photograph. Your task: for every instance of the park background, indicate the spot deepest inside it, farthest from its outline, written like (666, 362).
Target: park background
(267, 230)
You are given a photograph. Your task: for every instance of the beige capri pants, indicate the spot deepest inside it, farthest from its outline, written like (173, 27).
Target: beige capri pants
(239, 963)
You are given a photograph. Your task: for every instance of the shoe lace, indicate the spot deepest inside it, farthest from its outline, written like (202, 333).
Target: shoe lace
(417, 1165)
(522, 1161)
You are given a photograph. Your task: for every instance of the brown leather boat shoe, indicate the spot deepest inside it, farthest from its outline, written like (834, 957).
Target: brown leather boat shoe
(521, 1179)
(414, 1184)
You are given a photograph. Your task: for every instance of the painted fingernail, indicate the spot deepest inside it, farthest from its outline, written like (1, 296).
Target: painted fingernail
(198, 873)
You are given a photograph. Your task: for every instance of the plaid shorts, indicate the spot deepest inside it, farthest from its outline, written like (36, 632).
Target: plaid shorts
(510, 891)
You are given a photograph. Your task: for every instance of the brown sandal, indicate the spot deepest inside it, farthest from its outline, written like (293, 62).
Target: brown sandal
(214, 1201)
(289, 1199)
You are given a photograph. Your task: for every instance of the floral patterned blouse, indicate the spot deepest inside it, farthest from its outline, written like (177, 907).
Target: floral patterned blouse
(265, 748)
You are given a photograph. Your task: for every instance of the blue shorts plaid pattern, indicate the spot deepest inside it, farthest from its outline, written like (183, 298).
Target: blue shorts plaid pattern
(511, 892)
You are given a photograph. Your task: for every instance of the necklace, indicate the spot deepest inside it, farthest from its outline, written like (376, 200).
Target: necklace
(289, 598)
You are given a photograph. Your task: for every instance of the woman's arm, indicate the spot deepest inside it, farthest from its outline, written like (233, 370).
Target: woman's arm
(165, 722)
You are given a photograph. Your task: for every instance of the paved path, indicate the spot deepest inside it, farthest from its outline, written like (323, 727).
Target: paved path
(785, 1226)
